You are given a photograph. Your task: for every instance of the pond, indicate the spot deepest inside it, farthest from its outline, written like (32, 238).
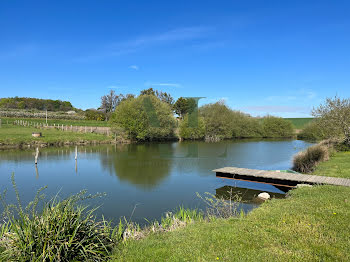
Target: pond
(145, 180)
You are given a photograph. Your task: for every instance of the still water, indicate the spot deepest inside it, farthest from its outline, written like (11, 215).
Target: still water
(145, 180)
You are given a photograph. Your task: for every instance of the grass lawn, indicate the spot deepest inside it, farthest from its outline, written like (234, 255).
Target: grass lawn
(339, 166)
(58, 121)
(299, 123)
(15, 135)
(310, 225)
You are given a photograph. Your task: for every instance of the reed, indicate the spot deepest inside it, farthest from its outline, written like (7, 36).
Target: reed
(63, 230)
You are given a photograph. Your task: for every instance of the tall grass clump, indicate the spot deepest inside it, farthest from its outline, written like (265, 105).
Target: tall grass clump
(222, 207)
(181, 216)
(62, 231)
(306, 161)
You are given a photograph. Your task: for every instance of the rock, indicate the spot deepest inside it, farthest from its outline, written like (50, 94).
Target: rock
(303, 185)
(36, 134)
(264, 196)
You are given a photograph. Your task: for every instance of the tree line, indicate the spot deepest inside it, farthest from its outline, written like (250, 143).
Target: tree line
(152, 116)
(35, 103)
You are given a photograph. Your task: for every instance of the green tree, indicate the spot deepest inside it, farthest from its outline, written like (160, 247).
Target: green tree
(218, 120)
(192, 133)
(163, 96)
(184, 106)
(334, 116)
(277, 127)
(144, 118)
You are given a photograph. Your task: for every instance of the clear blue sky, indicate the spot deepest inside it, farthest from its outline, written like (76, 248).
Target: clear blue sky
(278, 57)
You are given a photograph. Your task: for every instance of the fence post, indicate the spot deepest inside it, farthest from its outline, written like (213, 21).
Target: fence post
(36, 155)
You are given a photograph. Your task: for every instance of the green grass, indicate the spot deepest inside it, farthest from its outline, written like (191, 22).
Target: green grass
(57, 121)
(310, 225)
(16, 135)
(338, 166)
(299, 123)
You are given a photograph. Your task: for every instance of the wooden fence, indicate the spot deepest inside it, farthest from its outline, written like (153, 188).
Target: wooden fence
(81, 129)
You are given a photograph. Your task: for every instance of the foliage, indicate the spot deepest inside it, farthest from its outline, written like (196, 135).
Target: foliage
(334, 115)
(110, 101)
(306, 161)
(163, 96)
(185, 215)
(35, 103)
(184, 106)
(95, 115)
(245, 126)
(144, 118)
(314, 132)
(277, 127)
(221, 122)
(218, 120)
(192, 133)
(61, 231)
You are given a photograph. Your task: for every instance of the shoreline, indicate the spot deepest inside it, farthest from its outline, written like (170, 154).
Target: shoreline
(308, 220)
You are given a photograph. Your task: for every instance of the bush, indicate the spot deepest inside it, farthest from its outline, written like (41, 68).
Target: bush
(95, 115)
(245, 126)
(145, 118)
(193, 133)
(306, 161)
(62, 231)
(313, 131)
(334, 116)
(277, 127)
(218, 120)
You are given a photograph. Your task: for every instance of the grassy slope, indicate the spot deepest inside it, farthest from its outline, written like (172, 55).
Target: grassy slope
(311, 225)
(58, 121)
(11, 135)
(299, 123)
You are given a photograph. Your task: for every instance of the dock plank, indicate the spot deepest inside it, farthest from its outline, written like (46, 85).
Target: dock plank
(273, 176)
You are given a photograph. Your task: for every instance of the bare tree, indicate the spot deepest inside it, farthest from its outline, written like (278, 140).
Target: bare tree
(109, 102)
(334, 115)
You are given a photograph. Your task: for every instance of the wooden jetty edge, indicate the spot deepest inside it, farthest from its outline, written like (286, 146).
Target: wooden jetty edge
(278, 178)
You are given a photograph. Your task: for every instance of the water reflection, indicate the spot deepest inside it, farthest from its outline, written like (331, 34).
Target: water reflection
(144, 165)
(246, 194)
(157, 177)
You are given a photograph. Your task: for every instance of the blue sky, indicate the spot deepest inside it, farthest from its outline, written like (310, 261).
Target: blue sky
(275, 57)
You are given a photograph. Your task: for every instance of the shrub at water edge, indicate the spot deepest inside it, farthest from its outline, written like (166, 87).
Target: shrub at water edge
(192, 133)
(144, 118)
(306, 161)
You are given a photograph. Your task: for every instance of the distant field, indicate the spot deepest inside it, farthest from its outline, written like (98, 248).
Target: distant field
(299, 123)
(58, 121)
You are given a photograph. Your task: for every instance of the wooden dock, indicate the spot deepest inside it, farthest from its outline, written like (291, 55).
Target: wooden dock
(278, 178)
